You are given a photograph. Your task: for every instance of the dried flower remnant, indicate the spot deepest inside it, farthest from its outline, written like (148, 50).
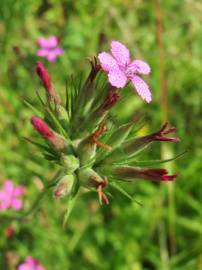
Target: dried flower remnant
(120, 69)
(129, 173)
(161, 134)
(30, 264)
(49, 48)
(9, 196)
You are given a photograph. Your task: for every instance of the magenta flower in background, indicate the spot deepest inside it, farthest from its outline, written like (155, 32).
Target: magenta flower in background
(49, 48)
(9, 196)
(30, 264)
(120, 69)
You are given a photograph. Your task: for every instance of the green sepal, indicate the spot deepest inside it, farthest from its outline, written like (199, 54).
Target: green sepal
(70, 163)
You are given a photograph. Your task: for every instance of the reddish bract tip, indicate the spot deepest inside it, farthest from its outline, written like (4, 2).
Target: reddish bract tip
(44, 76)
(41, 127)
(157, 174)
(169, 177)
(111, 99)
(161, 134)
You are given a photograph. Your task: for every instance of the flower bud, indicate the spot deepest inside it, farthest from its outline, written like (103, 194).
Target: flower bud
(70, 163)
(89, 178)
(41, 127)
(86, 150)
(47, 83)
(57, 141)
(134, 146)
(44, 76)
(129, 173)
(64, 187)
(110, 100)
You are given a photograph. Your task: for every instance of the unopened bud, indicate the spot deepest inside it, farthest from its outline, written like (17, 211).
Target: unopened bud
(110, 100)
(134, 146)
(57, 141)
(47, 83)
(86, 150)
(64, 187)
(70, 163)
(44, 76)
(89, 178)
(129, 173)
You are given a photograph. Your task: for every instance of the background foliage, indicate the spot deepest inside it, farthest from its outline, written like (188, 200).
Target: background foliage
(166, 232)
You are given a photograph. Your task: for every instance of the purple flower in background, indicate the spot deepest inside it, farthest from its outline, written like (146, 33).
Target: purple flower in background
(30, 264)
(120, 69)
(49, 48)
(9, 196)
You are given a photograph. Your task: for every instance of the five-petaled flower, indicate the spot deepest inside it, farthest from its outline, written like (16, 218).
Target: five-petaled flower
(30, 264)
(120, 69)
(9, 196)
(49, 48)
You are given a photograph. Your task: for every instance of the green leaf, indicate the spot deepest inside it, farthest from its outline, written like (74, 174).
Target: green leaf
(36, 111)
(70, 205)
(131, 161)
(58, 126)
(41, 146)
(123, 192)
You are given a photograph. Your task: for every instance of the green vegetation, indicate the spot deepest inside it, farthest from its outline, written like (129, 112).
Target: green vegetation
(165, 233)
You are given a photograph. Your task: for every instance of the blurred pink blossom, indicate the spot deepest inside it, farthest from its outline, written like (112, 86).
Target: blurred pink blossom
(30, 264)
(49, 48)
(9, 196)
(120, 69)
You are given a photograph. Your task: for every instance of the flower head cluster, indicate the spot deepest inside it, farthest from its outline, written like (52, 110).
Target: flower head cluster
(80, 137)
(49, 48)
(30, 264)
(10, 196)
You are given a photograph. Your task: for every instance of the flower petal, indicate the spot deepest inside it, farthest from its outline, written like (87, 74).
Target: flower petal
(43, 42)
(51, 56)
(140, 66)
(16, 204)
(24, 266)
(107, 61)
(142, 88)
(42, 52)
(58, 51)
(52, 41)
(120, 52)
(5, 204)
(19, 190)
(117, 78)
(8, 187)
(48, 43)
(2, 195)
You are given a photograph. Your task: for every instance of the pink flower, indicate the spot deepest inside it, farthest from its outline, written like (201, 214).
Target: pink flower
(9, 196)
(120, 69)
(30, 264)
(49, 48)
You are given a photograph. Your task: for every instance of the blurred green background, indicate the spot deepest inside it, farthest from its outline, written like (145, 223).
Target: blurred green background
(166, 232)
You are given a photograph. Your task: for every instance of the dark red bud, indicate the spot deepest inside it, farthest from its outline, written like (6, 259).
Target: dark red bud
(44, 76)
(161, 134)
(41, 127)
